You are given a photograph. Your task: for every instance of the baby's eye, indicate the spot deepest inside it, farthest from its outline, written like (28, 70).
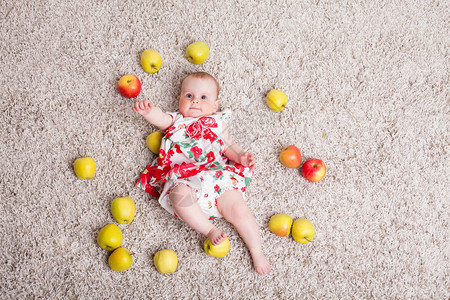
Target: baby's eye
(189, 96)
(204, 97)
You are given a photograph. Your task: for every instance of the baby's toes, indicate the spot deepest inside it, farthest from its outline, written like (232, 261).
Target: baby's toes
(220, 238)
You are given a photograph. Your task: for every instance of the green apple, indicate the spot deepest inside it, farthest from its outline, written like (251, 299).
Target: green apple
(197, 52)
(151, 61)
(220, 250)
(123, 210)
(280, 224)
(84, 167)
(154, 141)
(120, 259)
(303, 231)
(110, 237)
(166, 261)
(276, 100)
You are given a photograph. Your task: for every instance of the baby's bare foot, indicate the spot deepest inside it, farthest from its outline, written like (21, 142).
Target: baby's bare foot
(260, 262)
(216, 236)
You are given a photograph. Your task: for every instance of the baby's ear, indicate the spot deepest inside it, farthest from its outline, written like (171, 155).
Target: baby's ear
(217, 105)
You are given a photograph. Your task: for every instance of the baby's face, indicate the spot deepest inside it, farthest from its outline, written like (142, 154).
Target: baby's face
(198, 97)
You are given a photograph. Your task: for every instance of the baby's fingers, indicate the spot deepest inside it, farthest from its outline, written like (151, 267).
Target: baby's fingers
(246, 159)
(252, 163)
(136, 107)
(142, 105)
(147, 105)
(249, 157)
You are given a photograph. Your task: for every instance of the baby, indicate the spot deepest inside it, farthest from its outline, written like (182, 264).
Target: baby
(201, 172)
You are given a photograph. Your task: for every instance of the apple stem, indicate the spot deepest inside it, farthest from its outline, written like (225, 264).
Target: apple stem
(167, 246)
(281, 144)
(308, 240)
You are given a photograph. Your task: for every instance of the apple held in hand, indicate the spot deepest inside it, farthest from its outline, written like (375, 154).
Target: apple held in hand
(314, 170)
(110, 237)
(154, 141)
(84, 167)
(123, 210)
(151, 61)
(290, 156)
(280, 224)
(120, 259)
(220, 250)
(129, 86)
(276, 100)
(303, 231)
(197, 52)
(166, 261)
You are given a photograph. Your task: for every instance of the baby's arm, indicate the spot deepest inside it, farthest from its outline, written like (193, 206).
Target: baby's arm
(153, 114)
(235, 153)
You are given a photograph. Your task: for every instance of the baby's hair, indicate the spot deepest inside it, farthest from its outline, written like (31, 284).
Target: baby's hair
(205, 75)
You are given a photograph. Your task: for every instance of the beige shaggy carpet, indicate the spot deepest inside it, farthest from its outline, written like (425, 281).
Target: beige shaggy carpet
(368, 88)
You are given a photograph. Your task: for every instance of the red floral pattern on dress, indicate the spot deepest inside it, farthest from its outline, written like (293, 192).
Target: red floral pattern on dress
(209, 135)
(169, 132)
(197, 151)
(200, 129)
(178, 148)
(211, 157)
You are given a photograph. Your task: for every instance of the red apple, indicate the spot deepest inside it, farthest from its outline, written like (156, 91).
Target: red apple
(314, 170)
(290, 156)
(129, 86)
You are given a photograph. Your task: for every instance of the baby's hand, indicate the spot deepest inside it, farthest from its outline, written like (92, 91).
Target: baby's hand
(143, 107)
(247, 160)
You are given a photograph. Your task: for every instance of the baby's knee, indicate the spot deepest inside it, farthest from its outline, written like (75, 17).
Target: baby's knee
(239, 211)
(233, 207)
(181, 195)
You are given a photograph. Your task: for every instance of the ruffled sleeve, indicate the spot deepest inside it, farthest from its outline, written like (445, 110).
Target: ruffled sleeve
(226, 114)
(175, 116)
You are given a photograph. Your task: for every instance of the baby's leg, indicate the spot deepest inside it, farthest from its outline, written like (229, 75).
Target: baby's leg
(232, 206)
(184, 202)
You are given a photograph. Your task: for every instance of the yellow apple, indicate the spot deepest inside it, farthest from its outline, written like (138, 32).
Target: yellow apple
(123, 210)
(84, 167)
(166, 261)
(151, 61)
(276, 100)
(197, 52)
(120, 259)
(110, 237)
(280, 224)
(154, 141)
(303, 231)
(220, 250)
